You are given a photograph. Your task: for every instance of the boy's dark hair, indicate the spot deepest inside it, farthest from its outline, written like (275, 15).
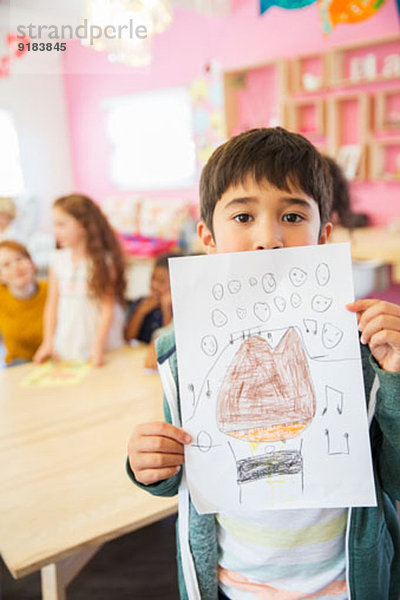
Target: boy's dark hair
(284, 159)
(162, 261)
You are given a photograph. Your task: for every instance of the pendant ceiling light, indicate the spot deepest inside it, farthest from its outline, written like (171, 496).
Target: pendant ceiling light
(129, 45)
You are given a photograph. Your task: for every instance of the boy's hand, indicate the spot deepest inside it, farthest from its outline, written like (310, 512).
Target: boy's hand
(148, 304)
(379, 323)
(155, 451)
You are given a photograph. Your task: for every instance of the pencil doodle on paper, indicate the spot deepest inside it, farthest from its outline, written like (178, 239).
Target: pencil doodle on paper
(331, 335)
(234, 286)
(333, 397)
(321, 303)
(267, 395)
(253, 281)
(241, 313)
(219, 318)
(209, 345)
(203, 441)
(262, 311)
(218, 291)
(297, 276)
(191, 390)
(338, 445)
(322, 274)
(280, 303)
(296, 300)
(311, 326)
(268, 283)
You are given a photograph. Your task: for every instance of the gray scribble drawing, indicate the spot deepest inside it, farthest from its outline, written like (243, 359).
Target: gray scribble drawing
(311, 326)
(208, 390)
(270, 464)
(280, 303)
(344, 443)
(322, 274)
(209, 345)
(269, 283)
(297, 276)
(191, 390)
(262, 311)
(241, 313)
(234, 286)
(203, 441)
(267, 394)
(333, 397)
(219, 318)
(253, 281)
(331, 335)
(296, 300)
(218, 291)
(321, 303)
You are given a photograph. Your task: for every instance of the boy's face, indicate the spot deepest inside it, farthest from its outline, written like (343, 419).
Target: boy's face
(257, 217)
(16, 269)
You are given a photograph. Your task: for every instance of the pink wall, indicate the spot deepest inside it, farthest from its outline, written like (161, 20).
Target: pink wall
(179, 56)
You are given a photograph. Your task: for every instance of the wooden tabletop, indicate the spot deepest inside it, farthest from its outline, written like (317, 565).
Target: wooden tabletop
(368, 243)
(62, 461)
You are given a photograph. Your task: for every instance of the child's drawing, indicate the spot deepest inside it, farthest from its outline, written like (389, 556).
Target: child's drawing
(262, 311)
(297, 276)
(280, 303)
(264, 394)
(234, 286)
(296, 300)
(321, 303)
(267, 395)
(331, 335)
(218, 291)
(219, 318)
(322, 274)
(269, 283)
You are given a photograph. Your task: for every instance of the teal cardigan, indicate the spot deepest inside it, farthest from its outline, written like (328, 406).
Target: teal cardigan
(373, 542)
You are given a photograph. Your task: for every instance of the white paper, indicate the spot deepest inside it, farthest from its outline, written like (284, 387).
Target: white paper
(270, 380)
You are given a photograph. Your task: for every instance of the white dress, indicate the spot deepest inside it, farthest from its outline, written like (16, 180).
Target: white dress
(78, 312)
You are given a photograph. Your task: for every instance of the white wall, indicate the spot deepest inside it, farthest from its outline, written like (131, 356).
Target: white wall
(37, 104)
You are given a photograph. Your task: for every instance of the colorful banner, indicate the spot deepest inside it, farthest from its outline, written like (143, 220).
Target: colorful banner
(336, 12)
(289, 4)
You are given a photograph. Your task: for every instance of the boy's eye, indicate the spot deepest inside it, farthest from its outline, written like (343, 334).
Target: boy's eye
(243, 218)
(293, 218)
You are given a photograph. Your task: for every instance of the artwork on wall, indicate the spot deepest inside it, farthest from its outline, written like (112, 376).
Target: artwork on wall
(207, 98)
(270, 380)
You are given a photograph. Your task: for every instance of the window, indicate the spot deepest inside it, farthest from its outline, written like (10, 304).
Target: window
(11, 180)
(152, 140)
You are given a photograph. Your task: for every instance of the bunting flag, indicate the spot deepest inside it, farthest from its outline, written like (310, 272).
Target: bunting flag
(336, 12)
(289, 4)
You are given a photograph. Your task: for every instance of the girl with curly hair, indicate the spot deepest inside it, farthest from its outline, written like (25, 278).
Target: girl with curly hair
(83, 315)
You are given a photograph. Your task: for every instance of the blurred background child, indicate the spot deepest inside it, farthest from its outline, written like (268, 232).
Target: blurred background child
(342, 212)
(84, 315)
(8, 212)
(22, 301)
(147, 314)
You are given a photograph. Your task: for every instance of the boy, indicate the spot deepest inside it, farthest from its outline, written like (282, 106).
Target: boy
(265, 189)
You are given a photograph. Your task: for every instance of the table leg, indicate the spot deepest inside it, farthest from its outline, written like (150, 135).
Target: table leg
(56, 576)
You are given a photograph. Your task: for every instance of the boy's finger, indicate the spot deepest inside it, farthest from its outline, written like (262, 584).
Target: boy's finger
(379, 323)
(379, 308)
(360, 305)
(159, 443)
(159, 461)
(386, 336)
(165, 430)
(150, 476)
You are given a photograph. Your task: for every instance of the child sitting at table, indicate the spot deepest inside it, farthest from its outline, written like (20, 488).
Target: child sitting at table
(22, 301)
(149, 313)
(83, 315)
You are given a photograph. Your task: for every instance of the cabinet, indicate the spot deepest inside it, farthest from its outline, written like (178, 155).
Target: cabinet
(345, 100)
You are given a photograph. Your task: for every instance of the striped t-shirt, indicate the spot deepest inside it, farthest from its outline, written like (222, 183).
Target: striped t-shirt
(283, 554)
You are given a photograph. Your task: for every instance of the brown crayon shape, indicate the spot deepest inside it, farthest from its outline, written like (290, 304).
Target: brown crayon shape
(267, 395)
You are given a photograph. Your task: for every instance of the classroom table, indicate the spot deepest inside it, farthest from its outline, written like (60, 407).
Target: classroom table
(368, 243)
(64, 490)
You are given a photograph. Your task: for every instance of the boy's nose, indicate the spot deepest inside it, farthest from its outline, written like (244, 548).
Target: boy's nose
(268, 239)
